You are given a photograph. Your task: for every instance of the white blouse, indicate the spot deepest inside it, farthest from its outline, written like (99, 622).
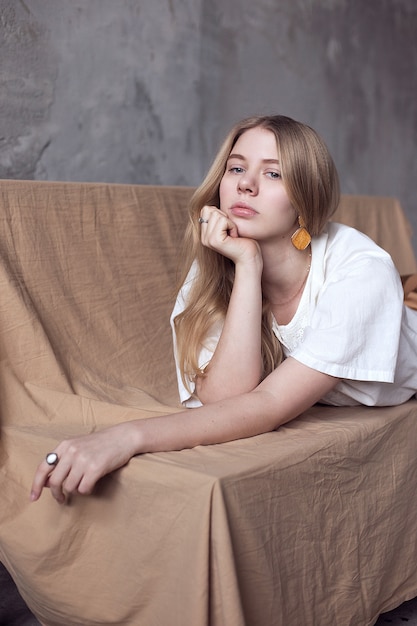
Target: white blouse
(350, 323)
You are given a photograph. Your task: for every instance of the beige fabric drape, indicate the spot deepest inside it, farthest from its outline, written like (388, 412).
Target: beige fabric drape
(313, 524)
(382, 219)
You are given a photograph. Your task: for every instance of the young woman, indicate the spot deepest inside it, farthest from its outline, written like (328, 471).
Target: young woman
(279, 309)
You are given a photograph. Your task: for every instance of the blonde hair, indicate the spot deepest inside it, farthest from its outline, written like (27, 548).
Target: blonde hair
(312, 184)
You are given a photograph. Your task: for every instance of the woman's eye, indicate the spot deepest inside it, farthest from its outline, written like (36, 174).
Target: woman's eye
(235, 169)
(273, 174)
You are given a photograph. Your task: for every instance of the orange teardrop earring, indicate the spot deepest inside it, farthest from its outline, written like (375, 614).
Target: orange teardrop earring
(301, 238)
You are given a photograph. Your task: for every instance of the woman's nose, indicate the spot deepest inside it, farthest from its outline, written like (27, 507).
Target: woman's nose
(247, 183)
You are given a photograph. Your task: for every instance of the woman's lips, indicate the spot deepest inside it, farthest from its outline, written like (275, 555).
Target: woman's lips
(242, 210)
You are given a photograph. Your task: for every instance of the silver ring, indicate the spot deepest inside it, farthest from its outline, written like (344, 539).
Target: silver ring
(52, 458)
(202, 220)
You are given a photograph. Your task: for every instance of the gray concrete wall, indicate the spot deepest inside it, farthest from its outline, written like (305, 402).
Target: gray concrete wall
(143, 91)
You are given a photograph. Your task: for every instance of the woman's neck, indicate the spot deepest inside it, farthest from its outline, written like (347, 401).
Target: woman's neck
(284, 269)
(284, 277)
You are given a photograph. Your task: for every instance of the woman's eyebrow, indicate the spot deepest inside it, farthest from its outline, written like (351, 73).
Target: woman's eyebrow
(242, 158)
(236, 156)
(275, 161)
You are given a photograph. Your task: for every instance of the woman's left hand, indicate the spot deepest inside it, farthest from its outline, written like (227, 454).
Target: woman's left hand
(84, 460)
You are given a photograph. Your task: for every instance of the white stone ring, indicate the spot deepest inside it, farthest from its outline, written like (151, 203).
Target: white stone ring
(52, 458)
(202, 220)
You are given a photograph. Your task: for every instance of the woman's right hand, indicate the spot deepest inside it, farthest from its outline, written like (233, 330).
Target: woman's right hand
(220, 233)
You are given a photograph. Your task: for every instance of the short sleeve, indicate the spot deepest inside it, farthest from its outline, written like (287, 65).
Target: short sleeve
(206, 352)
(355, 325)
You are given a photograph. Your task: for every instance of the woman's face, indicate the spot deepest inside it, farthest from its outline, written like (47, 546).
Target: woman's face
(252, 193)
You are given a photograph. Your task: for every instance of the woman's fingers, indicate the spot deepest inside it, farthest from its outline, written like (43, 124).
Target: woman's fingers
(73, 473)
(220, 233)
(216, 228)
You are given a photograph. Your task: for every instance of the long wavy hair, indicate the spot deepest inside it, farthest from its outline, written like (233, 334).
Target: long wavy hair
(312, 184)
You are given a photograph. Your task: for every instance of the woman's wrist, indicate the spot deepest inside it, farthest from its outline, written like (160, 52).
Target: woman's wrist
(136, 435)
(252, 265)
(130, 435)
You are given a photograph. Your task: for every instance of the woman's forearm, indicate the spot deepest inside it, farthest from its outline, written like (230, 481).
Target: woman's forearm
(277, 400)
(225, 420)
(236, 366)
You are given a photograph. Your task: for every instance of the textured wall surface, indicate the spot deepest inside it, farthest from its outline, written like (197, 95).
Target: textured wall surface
(143, 91)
